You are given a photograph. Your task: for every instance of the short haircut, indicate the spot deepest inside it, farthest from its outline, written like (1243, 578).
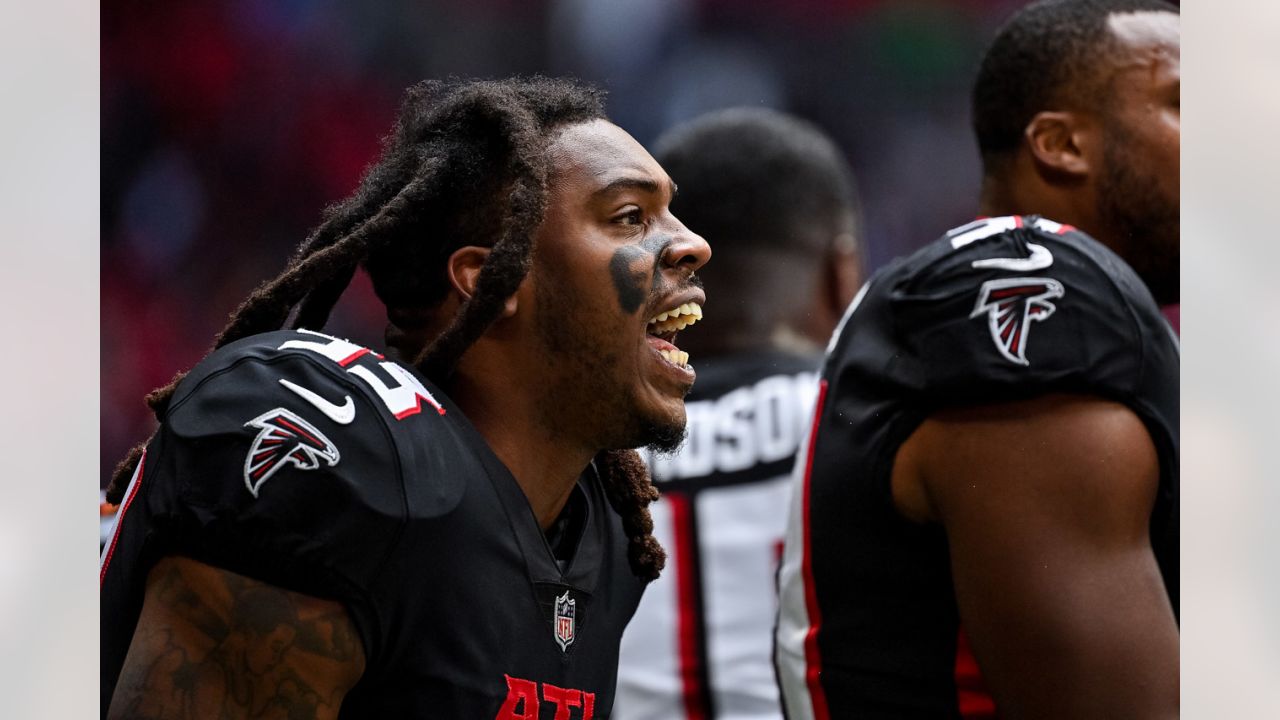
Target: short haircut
(772, 194)
(1043, 58)
(751, 178)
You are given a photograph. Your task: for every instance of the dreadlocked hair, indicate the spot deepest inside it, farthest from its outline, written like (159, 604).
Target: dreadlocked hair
(465, 165)
(626, 479)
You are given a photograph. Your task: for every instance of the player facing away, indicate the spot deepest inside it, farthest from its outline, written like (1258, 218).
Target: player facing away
(776, 198)
(994, 462)
(316, 530)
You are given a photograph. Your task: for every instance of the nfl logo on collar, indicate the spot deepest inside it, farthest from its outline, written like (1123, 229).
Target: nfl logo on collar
(566, 614)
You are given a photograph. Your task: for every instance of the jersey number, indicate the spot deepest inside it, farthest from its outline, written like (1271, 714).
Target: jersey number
(403, 399)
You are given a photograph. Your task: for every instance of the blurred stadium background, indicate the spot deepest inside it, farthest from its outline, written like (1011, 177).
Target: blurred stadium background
(228, 126)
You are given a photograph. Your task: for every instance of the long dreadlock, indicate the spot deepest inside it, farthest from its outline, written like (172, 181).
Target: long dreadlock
(460, 151)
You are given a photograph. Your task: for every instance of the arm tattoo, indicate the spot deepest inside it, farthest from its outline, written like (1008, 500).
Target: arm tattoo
(213, 644)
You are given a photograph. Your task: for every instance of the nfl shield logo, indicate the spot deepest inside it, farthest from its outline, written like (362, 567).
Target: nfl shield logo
(566, 612)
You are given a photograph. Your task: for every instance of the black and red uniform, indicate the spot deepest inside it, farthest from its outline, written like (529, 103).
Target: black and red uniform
(317, 466)
(998, 310)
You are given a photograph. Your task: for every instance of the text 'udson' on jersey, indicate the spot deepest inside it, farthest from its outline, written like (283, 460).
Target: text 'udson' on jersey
(759, 423)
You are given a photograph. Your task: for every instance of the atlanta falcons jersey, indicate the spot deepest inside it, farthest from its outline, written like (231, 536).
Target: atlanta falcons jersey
(700, 643)
(997, 310)
(317, 466)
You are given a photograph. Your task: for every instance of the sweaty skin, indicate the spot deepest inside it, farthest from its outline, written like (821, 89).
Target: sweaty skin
(629, 281)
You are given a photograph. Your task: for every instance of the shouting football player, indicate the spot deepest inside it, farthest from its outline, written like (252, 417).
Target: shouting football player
(318, 530)
(775, 196)
(994, 466)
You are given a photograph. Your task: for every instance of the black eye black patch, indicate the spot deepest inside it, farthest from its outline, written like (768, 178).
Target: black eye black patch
(628, 280)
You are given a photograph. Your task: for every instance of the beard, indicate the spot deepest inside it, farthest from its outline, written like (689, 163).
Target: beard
(663, 437)
(585, 391)
(1146, 220)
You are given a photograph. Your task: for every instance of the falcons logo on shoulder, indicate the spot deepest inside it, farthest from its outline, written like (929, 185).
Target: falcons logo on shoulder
(1011, 304)
(284, 438)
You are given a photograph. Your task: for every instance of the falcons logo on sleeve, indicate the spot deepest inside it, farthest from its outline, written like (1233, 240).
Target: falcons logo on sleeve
(284, 438)
(1011, 304)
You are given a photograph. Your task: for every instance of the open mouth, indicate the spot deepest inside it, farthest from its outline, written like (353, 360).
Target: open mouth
(664, 327)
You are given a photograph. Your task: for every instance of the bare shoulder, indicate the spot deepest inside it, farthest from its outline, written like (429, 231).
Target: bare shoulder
(211, 643)
(1055, 451)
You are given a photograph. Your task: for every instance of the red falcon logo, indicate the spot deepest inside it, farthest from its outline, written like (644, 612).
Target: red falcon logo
(284, 438)
(1011, 304)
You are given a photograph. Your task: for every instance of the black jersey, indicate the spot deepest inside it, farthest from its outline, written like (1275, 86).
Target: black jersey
(317, 466)
(997, 310)
(700, 645)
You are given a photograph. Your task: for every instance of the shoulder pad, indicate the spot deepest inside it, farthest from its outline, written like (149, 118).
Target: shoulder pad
(1015, 304)
(279, 453)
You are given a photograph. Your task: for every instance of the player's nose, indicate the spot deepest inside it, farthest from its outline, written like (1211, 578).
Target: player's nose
(688, 252)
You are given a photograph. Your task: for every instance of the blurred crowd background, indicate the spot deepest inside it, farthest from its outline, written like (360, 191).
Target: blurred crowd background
(227, 127)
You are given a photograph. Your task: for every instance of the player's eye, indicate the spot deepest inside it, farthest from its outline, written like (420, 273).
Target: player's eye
(631, 216)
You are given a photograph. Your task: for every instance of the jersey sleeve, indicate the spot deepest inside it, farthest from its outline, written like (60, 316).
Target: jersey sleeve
(1019, 313)
(271, 466)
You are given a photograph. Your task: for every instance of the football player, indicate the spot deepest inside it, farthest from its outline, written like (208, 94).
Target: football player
(994, 463)
(776, 198)
(317, 530)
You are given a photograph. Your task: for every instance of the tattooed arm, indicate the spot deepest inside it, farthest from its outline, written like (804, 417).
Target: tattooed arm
(213, 644)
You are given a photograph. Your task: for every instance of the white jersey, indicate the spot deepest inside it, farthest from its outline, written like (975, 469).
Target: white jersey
(700, 644)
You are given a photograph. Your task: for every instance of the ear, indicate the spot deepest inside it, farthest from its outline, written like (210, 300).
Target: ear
(464, 274)
(1060, 142)
(839, 279)
(845, 272)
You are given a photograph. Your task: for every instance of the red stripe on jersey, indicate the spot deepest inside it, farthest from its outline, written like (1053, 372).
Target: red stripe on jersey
(124, 508)
(1017, 221)
(354, 356)
(813, 662)
(687, 604)
(972, 695)
(417, 408)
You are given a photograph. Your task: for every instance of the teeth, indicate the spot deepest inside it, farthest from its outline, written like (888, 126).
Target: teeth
(688, 314)
(675, 357)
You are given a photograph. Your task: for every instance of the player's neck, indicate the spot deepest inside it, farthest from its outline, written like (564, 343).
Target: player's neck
(544, 463)
(1023, 195)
